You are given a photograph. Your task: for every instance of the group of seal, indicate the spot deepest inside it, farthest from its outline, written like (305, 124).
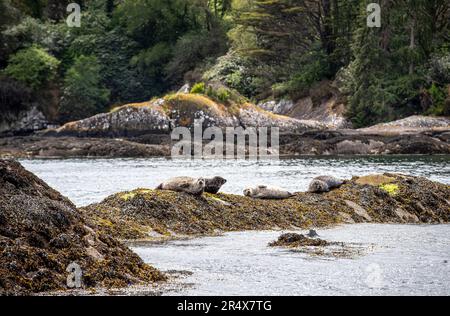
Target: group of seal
(196, 186)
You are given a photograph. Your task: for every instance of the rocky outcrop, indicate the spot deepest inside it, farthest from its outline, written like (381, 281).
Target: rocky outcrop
(42, 233)
(324, 104)
(292, 240)
(253, 116)
(161, 116)
(24, 122)
(351, 142)
(143, 213)
(127, 121)
(412, 124)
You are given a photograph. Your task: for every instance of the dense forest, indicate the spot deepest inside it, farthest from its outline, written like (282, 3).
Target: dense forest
(132, 50)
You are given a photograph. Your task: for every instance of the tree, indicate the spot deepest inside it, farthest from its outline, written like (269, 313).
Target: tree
(83, 94)
(32, 66)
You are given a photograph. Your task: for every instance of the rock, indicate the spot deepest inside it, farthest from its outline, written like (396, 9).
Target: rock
(359, 210)
(186, 88)
(131, 215)
(127, 121)
(42, 233)
(281, 107)
(411, 124)
(25, 122)
(252, 116)
(358, 142)
(73, 147)
(291, 240)
(184, 109)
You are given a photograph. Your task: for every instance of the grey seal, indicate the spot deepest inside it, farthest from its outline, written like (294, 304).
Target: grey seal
(213, 185)
(267, 192)
(325, 184)
(184, 184)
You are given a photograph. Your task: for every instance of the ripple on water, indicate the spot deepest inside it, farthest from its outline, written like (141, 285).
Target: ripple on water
(398, 260)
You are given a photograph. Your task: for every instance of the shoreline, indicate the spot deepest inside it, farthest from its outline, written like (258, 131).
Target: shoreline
(308, 144)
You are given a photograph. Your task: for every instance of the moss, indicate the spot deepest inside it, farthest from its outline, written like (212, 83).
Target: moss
(128, 196)
(375, 180)
(391, 189)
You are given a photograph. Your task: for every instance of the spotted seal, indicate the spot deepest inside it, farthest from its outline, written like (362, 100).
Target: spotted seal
(184, 184)
(267, 192)
(325, 184)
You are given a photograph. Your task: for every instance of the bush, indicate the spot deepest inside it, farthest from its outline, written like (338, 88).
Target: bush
(198, 88)
(439, 69)
(32, 66)
(83, 93)
(438, 96)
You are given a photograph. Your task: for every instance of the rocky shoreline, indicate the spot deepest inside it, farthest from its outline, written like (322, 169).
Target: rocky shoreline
(313, 143)
(42, 232)
(144, 130)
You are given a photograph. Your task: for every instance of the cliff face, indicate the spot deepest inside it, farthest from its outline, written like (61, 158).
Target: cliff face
(389, 198)
(42, 233)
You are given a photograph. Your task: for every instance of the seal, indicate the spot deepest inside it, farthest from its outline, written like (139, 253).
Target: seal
(184, 184)
(267, 193)
(325, 184)
(213, 185)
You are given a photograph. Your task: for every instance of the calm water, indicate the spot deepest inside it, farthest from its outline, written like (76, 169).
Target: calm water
(86, 181)
(398, 260)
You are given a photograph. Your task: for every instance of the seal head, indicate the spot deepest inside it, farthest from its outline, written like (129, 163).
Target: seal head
(214, 185)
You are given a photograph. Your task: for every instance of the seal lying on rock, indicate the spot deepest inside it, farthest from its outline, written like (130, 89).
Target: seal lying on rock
(325, 184)
(213, 185)
(268, 193)
(184, 184)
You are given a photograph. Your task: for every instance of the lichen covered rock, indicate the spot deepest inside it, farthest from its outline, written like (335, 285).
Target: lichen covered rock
(42, 233)
(126, 121)
(143, 213)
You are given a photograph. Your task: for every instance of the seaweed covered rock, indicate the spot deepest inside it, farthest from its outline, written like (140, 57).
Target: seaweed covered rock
(385, 198)
(292, 240)
(42, 233)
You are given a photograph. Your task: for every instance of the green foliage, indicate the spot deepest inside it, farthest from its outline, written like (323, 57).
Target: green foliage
(314, 67)
(32, 66)
(438, 96)
(83, 93)
(198, 88)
